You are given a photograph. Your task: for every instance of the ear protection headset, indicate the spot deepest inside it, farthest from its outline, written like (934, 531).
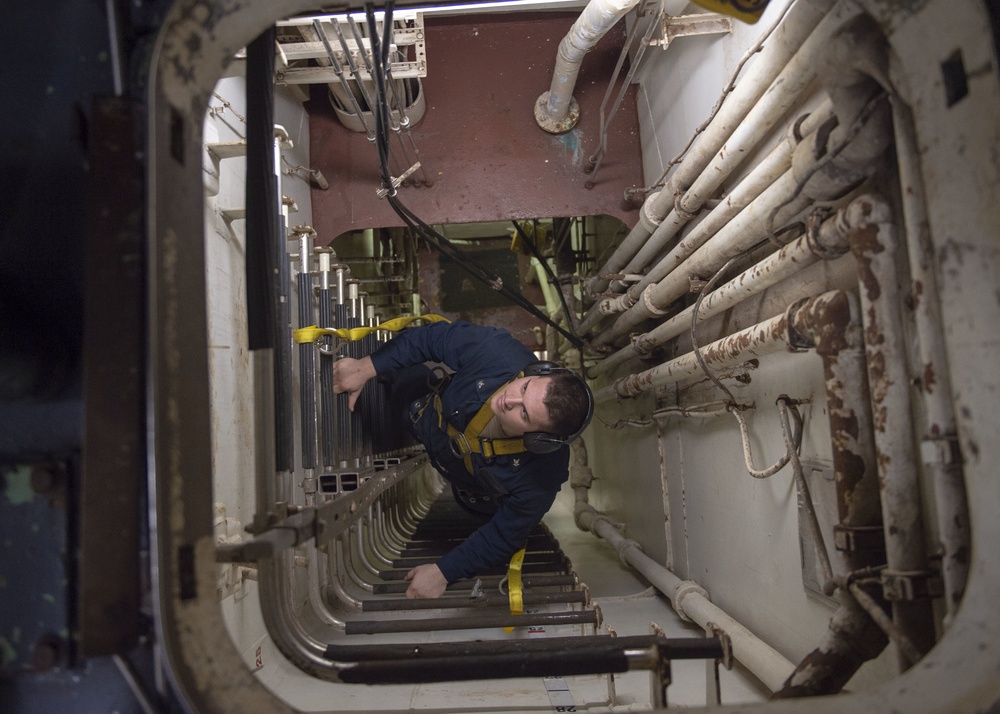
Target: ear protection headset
(542, 442)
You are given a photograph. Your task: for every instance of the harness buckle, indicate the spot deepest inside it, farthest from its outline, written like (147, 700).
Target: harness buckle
(463, 447)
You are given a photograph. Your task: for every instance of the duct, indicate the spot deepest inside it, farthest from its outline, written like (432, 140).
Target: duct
(906, 580)
(939, 441)
(556, 111)
(823, 168)
(801, 20)
(687, 597)
(762, 176)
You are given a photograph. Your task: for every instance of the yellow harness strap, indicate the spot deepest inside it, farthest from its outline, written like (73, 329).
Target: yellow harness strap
(515, 593)
(468, 442)
(313, 333)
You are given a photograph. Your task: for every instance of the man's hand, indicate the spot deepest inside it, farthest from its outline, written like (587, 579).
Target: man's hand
(426, 581)
(351, 375)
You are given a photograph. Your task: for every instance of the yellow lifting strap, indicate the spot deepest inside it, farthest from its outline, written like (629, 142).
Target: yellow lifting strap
(515, 594)
(468, 442)
(313, 333)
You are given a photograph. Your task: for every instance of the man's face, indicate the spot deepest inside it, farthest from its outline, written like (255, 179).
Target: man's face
(519, 407)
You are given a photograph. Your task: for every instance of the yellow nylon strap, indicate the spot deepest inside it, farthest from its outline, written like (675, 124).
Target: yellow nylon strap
(515, 594)
(313, 333)
(468, 442)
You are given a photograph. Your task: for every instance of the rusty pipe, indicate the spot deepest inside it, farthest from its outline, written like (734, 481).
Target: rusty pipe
(761, 339)
(832, 326)
(849, 642)
(827, 241)
(874, 246)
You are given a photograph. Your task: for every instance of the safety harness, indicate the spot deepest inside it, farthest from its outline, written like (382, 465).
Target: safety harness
(466, 443)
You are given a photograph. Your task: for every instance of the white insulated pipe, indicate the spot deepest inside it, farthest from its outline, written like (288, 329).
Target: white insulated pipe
(889, 379)
(761, 339)
(799, 23)
(939, 437)
(756, 182)
(747, 229)
(556, 111)
(781, 95)
(829, 241)
(688, 598)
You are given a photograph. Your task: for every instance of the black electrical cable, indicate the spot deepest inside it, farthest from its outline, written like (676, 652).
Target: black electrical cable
(548, 271)
(380, 57)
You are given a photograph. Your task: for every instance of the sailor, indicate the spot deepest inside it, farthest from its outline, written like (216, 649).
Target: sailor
(496, 424)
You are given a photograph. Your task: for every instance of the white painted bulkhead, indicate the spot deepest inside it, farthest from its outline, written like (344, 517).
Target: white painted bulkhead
(676, 481)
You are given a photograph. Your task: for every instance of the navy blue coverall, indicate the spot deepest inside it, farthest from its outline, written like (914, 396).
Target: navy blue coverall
(525, 485)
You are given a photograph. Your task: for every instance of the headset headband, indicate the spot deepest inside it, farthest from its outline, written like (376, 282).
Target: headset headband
(543, 442)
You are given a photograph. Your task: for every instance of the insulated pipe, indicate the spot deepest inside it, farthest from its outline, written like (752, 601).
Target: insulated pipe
(832, 326)
(823, 168)
(799, 23)
(827, 242)
(758, 340)
(888, 375)
(939, 441)
(763, 175)
(556, 111)
(688, 598)
(782, 94)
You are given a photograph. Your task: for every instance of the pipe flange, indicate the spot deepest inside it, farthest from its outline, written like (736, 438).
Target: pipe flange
(549, 123)
(624, 546)
(680, 210)
(686, 588)
(647, 302)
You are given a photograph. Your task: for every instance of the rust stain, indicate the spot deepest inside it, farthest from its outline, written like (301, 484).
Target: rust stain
(929, 379)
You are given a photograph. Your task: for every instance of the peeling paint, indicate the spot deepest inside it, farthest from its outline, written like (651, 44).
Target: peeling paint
(18, 487)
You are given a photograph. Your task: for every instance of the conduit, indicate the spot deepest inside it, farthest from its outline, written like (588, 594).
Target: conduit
(802, 19)
(687, 597)
(556, 111)
(784, 91)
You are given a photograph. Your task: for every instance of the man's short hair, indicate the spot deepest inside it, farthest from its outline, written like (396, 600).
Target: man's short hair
(567, 403)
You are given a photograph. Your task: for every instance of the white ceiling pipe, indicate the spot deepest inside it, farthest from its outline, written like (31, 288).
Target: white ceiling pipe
(763, 175)
(758, 340)
(851, 150)
(889, 380)
(744, 231)
(830, 241)
(556, 111)
(799, 23)
(939, 425)
(783, 93)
